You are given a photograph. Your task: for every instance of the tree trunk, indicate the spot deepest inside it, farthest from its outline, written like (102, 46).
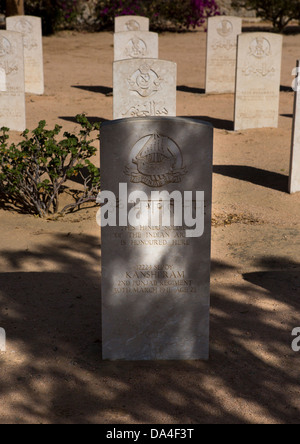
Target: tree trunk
(14, 7)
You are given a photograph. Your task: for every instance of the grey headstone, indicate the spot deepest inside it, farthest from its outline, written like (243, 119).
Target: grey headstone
(221, 54)
(135, 45)
(144, 87)
(31, 29)
(156, 278)
(131, 23)
(12, 100)
(258, 81)
(294, 184)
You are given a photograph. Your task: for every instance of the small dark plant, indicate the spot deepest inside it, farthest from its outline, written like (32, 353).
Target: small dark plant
(33, 174)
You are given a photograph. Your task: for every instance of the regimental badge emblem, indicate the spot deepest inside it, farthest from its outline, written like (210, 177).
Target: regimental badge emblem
(24, 26)
(132, 25)
(136, 48)
(225, 28)
(156, 161)
(5, 47)
(145, 81)
(260, 48)
(26, 29)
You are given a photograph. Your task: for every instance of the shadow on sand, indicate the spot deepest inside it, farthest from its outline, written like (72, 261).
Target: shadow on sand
(56, 317)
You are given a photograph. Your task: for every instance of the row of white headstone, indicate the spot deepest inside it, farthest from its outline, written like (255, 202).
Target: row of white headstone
(21, 68)
(248, 65)
(143, 85)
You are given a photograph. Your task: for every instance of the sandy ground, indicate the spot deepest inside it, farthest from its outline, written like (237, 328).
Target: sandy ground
(50, 307)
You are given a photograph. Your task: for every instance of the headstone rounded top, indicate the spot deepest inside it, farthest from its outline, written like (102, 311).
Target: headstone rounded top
(135, 44)
(260, 36)
(221, 18)
(153, 119)
(131, 23)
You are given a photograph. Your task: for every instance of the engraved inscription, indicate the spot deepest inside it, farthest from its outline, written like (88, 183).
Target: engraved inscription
(154, 279)
(132, 25)
(260, 50)
(5, 47)
(147, 109)
(9, 67)
(225, 30)
(6, 50)
(227, 44)
(262, 70)
(145, 81)
(136, 48)
(156, 161)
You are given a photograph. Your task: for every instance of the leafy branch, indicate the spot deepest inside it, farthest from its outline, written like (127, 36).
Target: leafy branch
(33, 174)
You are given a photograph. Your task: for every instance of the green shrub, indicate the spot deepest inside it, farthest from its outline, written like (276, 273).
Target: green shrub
(279, 12)
(33, 174)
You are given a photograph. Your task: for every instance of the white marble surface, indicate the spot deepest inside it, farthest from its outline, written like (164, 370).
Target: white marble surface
(294, 184)
(258, 81)
(135, 45)
(221, 54)
(31, 29)
(2, 80)
(144, 87)
(131, 23)
(12, 101)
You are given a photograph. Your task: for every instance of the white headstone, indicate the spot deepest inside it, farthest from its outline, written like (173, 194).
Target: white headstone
(144, 87)
(31, 29)
(294, 185)
(12, 101)
(2, 80)
(136, 45)
(221, 52)
(258, 81)
(131, 23)
(2, 340)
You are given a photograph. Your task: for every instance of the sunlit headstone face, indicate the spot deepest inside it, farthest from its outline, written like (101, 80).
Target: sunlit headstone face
(131, 23)
(294, 180)
(144, 87)
(31, 30)
(12, 81)
(258, 80)
(221, 54)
